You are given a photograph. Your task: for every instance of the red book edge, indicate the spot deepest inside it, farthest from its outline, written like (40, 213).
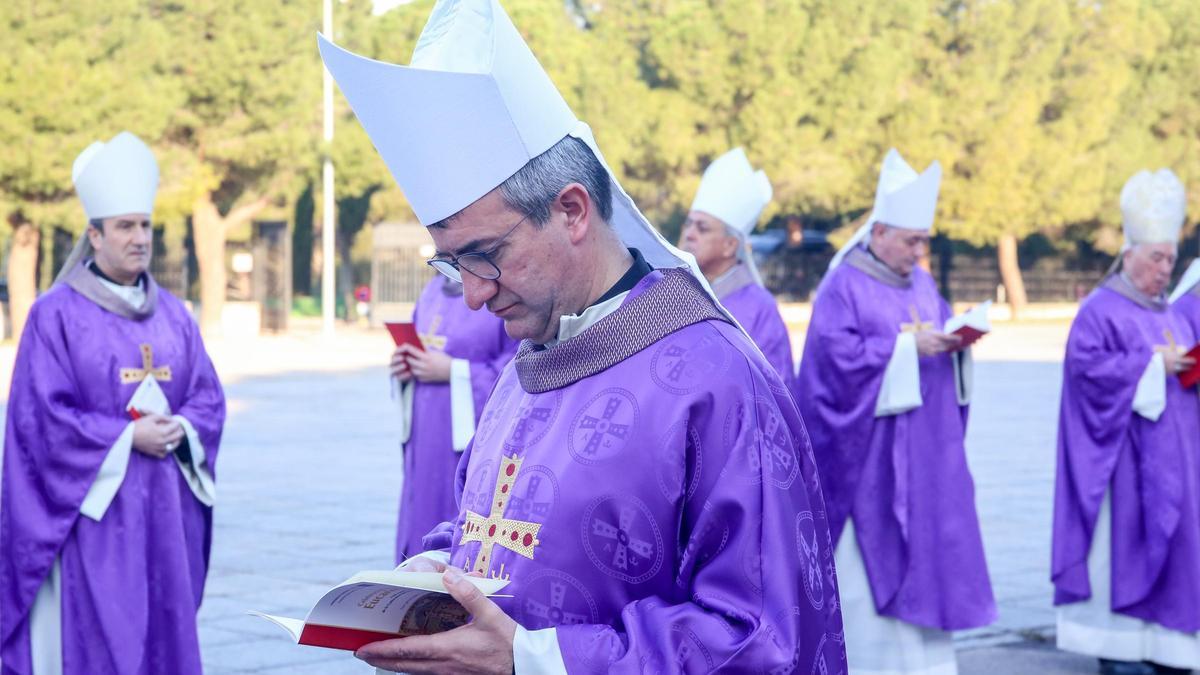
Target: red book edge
(969, 336)
(404, 333)
(1191, 376)
(338, 637)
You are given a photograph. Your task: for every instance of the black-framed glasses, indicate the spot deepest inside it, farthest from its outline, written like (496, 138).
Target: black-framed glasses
(479, 263)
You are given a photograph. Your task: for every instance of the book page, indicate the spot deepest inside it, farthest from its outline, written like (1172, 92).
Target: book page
(975, 318)
(407, 603)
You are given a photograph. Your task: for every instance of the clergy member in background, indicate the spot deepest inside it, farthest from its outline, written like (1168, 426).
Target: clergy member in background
(881, 394)
(726, 209)
(114, 421)
(1186, 297)
(640, 475)
(442, 391)
(1126, 554)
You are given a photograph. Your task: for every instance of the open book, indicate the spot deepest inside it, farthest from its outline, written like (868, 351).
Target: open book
(373, 606)
(971, 324)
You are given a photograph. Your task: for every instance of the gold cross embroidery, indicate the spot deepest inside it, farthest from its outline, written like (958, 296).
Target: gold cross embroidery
(431, 339)
(1171, 346)
(135, 375)
(518, 536)
(917, 325)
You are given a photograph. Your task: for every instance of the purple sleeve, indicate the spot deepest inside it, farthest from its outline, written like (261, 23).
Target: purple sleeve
(1100, 376)
(755, 587)
(836, 390)
(204, 402)
(53, 449)
(771, 335)
(485, 371)
(441, 537)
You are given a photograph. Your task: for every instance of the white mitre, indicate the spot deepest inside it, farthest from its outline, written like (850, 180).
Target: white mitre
(903, 198)
(1153, 208)
(111, 179)
(472, 109)
(117, 177)
(734, 193)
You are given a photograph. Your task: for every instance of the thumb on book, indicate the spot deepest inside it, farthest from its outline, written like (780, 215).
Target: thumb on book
(467, 594)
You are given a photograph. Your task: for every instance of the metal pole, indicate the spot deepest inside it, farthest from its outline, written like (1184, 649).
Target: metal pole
(328, 232)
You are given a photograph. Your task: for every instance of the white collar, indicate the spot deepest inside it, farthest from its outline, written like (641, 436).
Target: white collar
(135, 295)
(571, 325)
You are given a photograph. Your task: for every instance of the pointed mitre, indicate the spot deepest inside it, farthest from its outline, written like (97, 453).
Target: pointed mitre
(472, 109)
(733, 192)
(117, 177)
(1153, 208)
(903, 198)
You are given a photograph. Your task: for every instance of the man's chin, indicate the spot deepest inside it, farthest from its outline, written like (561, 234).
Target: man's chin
(521, 328)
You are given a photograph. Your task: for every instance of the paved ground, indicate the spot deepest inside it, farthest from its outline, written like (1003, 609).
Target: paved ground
(309, 475)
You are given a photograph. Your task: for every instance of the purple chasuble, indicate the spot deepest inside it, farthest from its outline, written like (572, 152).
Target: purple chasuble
(1152, 468)
(902, 478)
(756, 310)
(649, 489)
(446, 324)
(132, 582)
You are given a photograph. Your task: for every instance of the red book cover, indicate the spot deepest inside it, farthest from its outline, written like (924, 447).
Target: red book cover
(404, 332)
(1191, 376)
(337, 637)
(969, 336)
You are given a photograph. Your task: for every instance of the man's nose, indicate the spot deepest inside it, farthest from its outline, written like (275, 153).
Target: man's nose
(477, 291)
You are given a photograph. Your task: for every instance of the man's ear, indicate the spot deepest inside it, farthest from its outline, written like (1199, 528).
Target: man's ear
(575, 204)
(95, 235)
(731, 245)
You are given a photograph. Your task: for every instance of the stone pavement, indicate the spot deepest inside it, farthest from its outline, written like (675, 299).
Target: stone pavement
(309, 474)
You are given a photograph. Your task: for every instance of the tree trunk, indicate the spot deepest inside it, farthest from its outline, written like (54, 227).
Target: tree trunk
(1010, 273)
(22, 274)
(208, 232)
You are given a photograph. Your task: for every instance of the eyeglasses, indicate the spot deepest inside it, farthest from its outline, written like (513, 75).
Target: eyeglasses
(479, 263)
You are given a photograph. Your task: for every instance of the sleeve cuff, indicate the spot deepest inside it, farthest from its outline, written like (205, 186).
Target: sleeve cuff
(536, 652)
(462, 404)
(109, 478)
(196, 473)
(442, 557)
(901, 387)
(1150, 399)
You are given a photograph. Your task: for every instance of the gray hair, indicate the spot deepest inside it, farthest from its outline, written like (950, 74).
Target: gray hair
(533, 188)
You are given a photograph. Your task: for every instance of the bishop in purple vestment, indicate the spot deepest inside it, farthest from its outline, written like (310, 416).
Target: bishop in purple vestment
(450, 381)
(726, 209)
(885, 405)
(1126, 554)
(640, 474)
(106, 522)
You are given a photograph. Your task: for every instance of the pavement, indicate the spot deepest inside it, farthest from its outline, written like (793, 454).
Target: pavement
(309, 475)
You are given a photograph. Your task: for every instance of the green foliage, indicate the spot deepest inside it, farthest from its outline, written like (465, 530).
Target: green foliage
(1038, 109)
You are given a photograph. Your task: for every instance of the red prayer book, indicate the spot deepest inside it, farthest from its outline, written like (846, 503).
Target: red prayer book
(1191, 376)
(404, 332)
(373, 606)
(971, 325)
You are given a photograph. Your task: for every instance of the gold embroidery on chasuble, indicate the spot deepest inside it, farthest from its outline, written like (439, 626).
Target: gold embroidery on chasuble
(432, 339)
(917, 325)
(493, 530)
(1171, 345)
(135, 375)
